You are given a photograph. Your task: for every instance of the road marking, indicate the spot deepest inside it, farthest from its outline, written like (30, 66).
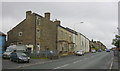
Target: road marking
(61, 66)
(76, 62)
(111, 64)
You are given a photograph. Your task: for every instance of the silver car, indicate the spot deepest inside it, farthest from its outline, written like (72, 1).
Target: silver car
(79, 53)
(19, 57)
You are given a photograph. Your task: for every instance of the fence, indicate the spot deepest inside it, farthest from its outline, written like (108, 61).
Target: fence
(44, 54)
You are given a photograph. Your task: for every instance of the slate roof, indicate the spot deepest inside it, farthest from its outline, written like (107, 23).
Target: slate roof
(2, 34)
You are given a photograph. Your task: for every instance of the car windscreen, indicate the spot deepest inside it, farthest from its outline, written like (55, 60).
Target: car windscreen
(10, 50)
(22, 54)
(20, 48)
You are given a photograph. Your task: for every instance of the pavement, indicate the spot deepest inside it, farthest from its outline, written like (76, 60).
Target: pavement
(116, 61)
(99, 60)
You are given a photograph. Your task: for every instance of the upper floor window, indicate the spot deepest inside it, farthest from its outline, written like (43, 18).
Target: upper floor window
(38, 20)
(38, 31)
(19, 42)
(20, 33)
(37, 17)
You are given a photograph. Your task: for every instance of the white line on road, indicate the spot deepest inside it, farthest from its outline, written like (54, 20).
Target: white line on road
(61, 66)
(76, 62)
(111, 64)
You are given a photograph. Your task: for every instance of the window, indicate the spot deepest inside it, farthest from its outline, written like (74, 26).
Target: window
(19, 42)
(37, 17)
(39, 21)
(38, 31)
(38, 45)
(20, 33)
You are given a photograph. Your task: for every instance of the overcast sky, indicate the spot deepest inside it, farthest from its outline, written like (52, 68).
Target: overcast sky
(100, 19)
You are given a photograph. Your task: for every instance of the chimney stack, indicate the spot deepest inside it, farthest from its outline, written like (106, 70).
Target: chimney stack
(57, 22)
(47, 16)
(28, 13)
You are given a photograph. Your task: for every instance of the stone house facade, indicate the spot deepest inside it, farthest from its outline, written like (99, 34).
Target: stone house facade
(65, 42)
(82, 43)
(41, 34)
(35, 30)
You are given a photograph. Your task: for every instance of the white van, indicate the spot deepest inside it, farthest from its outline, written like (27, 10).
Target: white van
(11, 48)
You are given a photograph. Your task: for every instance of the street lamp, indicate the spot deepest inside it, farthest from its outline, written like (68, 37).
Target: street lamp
(77, 24)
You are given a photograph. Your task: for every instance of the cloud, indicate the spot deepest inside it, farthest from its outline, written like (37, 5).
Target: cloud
(99, 18)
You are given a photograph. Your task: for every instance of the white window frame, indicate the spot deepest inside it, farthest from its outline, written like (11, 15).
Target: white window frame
(38, 31)
(37, 17)
(19, 42)
(20, 33)
(38, 45)
(39, 21)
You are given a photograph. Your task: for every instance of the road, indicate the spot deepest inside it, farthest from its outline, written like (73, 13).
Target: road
(99, 60)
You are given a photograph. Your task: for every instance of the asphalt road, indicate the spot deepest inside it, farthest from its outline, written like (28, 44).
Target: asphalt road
(99, 60)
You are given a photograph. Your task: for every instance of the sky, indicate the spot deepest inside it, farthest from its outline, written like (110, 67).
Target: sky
(100, 19)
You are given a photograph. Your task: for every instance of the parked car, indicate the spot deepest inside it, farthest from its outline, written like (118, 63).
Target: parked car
(19, 57)
(99, 50)
(93, 51)
(107, 50)
(11, 48)
(79, 53)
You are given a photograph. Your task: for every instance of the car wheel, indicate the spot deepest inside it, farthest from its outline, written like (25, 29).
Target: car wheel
(28, 61)
(3, 57)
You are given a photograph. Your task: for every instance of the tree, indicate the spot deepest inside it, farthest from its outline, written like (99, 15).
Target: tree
(116, 41)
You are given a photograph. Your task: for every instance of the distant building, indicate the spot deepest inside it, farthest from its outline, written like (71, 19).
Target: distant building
(97, 45)
(35, 30)
(2, 42)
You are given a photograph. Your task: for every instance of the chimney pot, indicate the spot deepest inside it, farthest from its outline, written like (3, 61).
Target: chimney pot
(28, 13)
(57, 22)
(47, 16)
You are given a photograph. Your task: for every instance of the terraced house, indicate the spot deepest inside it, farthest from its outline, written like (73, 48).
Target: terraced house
(69, 41)
(82, 43)
(40, 33)
(35, 31)
(65, 41)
